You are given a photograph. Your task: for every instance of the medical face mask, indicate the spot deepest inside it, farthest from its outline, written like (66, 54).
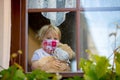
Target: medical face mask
(50, 45)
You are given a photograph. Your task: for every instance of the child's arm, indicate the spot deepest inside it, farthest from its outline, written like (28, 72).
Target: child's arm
(34, 65)
(50, 64)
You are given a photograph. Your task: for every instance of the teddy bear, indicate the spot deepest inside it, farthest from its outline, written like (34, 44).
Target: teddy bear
(63, 53)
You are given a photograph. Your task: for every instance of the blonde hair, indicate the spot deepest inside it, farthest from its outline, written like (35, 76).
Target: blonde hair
(45, 29)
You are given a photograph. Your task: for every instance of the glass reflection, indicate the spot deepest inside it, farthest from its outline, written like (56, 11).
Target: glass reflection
(98, 27)
(100, 3)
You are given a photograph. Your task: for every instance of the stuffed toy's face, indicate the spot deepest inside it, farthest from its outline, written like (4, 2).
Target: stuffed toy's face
(61, 54)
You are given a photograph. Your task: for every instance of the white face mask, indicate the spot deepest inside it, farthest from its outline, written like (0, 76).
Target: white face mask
(49, 45)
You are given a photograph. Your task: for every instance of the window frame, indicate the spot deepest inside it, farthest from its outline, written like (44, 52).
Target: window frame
(19, 21)
(76, 10)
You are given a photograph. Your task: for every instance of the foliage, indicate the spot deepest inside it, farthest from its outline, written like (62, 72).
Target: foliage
(95, 68)
(16, 72)
(75, 78)
(98, 67)
(13, 73)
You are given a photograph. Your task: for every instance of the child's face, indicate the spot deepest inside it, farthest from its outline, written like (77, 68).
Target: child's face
(51, 35)
(50, 42)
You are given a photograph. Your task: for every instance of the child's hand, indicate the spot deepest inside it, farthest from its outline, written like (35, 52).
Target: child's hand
(65, 67)
(60, 66)
(56, 64)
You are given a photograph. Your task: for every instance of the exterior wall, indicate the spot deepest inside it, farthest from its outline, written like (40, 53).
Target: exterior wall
(5, 32)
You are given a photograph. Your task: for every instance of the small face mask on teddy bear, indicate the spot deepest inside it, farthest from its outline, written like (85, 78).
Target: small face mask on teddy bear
(49, 45)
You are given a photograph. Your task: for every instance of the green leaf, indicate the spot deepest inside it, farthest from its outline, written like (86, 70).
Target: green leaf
(19, 75)
(117, 77)
(95, 68)
(102, 64)
(117, 57)
(8, 74)
(90, 73)
(117, 68)
(75, 78)
(88, 68)
(38, 75)
(82, 63)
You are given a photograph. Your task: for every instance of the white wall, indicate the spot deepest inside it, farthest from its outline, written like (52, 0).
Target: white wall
(5, 32)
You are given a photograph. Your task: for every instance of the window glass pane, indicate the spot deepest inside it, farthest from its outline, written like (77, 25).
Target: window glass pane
(37, 20)
(97, 32)
(51, 4)
(100, 3)
(69, 35)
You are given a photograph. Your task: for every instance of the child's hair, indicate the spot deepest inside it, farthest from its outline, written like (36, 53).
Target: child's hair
(45, 29)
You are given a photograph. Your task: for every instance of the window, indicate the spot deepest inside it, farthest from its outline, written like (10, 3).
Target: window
(37, 20)
(57, 14)
(100, 19)
(90, 24)
(87, 32)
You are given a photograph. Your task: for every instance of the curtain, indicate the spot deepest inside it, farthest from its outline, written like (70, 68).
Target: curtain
(56, 18)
